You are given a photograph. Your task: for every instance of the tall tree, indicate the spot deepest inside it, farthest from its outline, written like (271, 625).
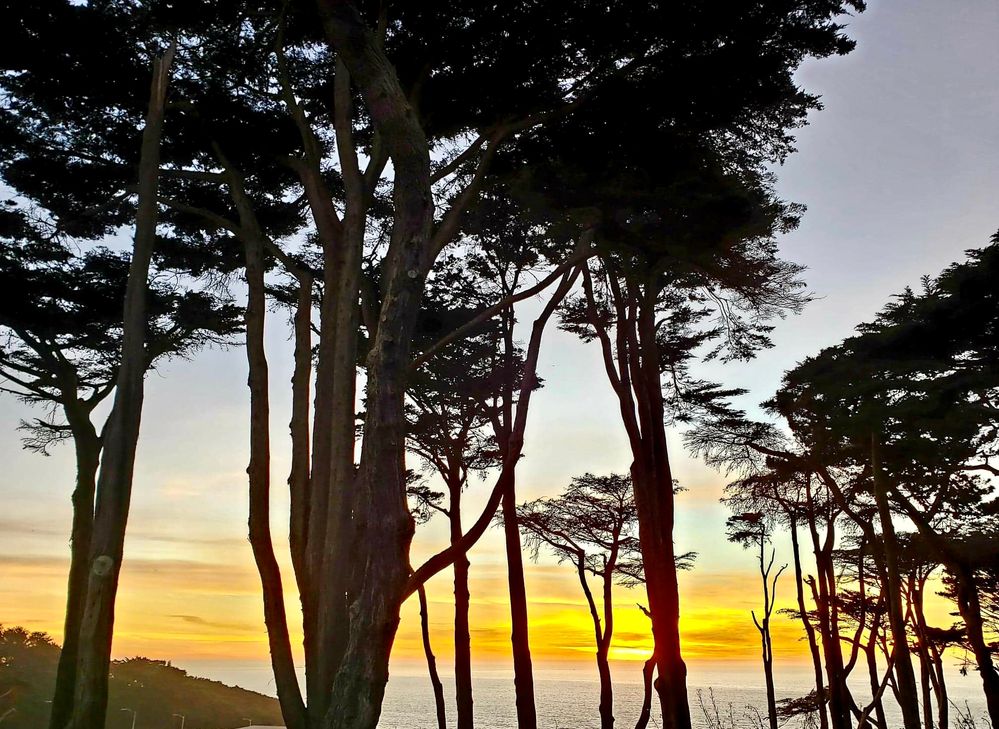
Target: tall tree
(381, 88)
(121, 436)
(898, 423)
(63, 325)
(404, 80)
(452, 399)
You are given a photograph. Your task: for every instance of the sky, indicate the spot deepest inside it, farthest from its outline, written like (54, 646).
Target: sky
(900, 175)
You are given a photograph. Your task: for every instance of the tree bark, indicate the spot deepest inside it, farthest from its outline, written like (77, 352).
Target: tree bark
(462, 634)
(908, 696)
(767, 651)
(114, 484)
(298, 475)
(653, 483)
(603, 649)
(768, 674)
(258, 471)
(648, 673)
(88, 453)
(969, 606)
(435, 679)
(380, 525)
(915, 599)
(870, 654)
(523, 670)
(813, 648)
(940, 688)
(633, 367)
(824, 596)
(602, 633)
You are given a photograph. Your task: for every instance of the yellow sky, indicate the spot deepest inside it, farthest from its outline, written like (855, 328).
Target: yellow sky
(197, 609)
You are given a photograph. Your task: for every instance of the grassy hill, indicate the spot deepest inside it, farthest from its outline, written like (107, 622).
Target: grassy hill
(155, 689)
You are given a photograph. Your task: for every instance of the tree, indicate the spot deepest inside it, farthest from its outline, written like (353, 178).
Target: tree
(452, 398)
(81, 361)
(62, 325)
(913, 426)
(899, 422)
(403, 81)
(751, 530)
(691, 216)
(400, 131)
(591, 525)
(114, 483)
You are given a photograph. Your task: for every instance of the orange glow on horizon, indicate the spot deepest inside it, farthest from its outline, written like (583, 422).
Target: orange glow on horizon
(177, 610)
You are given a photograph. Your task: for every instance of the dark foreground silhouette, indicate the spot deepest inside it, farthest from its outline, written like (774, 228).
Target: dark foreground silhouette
(155, 690)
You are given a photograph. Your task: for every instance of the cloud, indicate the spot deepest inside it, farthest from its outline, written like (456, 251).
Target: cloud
(42, 529)
(218, 624)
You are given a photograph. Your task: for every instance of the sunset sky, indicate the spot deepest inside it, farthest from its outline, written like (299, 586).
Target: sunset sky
(899, 174)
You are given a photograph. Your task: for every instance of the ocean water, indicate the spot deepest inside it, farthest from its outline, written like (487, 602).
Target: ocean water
(722, 696)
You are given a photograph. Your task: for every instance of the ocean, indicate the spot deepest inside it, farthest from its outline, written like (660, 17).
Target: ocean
(722, 696)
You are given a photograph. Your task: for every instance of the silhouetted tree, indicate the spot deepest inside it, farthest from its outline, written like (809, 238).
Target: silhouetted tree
(304, 93)
(899, 422)
(62, 328)
(591, 525)
(752, 531)
(452, 399)
(41, 132)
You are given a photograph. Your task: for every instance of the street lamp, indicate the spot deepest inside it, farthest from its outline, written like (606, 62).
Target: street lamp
(134, 715)
(183, 720)
(249, 722)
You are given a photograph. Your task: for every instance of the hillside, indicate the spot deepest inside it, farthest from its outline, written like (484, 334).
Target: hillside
(154, 689)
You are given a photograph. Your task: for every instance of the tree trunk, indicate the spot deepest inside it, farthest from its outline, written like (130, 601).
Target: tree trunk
(606, 689)
(813, 648)
(875, 681)
(114, 484)
(653, 484)
(462, 634)
(298, 427)
(971, 612)
(602, 633)
(633, 368)
(380, 525)
(768, 674)
(435, 679)
(763, 626)
(258, 471)
(926, 679)
(872, 667)
(604, 643)
(88, 453)
(839, 694)
(523, 670)
(648, 672)
(943, 708)
(908, 696)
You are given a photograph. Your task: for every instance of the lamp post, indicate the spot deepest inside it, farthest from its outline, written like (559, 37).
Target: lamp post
(134, 715)
(183, 720)
(249, 722)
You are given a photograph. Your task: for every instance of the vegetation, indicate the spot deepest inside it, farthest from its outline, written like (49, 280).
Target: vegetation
(400, 177)
(894, 426)
(156, 690)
